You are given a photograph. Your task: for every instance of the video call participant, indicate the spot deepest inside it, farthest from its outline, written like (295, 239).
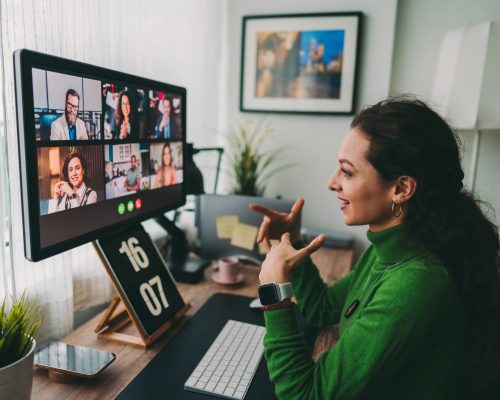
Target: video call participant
(69, 126)
(165, 175)
(420, 312)
(166, 125)
(133, 178)
(126, 124)
(72, 191)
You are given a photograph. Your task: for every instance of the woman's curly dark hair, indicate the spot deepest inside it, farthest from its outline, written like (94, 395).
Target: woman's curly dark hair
(409, 138)
(119, 113)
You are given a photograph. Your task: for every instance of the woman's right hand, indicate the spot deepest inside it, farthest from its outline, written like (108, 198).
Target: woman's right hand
(62, 188)
(275, 224)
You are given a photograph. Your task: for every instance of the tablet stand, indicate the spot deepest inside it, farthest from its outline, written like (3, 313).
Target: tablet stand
(115, 318)
(146, 293)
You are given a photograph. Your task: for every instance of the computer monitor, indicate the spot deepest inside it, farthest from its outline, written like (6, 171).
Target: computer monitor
(99, 150)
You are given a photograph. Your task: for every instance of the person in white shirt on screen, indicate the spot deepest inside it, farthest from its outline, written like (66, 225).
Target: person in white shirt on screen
(133, 178)
(69, 126)
(71, 191)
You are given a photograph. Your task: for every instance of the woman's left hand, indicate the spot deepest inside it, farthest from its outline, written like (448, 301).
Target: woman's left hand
(281, 259)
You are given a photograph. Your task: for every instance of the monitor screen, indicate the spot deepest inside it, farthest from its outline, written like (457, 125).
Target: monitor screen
(99, 150)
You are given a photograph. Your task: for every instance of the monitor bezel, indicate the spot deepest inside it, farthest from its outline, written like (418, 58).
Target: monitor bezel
(24, 61)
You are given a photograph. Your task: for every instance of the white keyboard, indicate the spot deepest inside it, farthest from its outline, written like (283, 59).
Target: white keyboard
(227, 368)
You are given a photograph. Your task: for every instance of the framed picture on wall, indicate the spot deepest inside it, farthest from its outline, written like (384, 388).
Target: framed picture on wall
(300, 63)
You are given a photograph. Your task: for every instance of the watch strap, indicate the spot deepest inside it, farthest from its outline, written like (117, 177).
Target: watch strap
(284, 304)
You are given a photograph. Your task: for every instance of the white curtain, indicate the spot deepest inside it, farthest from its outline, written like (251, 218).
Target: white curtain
(174, 41)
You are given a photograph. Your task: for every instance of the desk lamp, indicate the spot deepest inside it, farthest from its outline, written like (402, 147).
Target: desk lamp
(184, 267)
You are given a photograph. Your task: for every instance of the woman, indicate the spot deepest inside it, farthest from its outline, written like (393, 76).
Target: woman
(125, 117)
(165, 175)
(419, 313)
(166, 125)
(72, 191)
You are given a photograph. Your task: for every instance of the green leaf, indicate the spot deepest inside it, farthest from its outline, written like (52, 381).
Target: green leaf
(18, 326)
(250, 166)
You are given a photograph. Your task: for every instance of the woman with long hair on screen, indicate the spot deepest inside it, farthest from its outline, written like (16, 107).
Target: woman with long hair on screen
(72, 191)
(420, 312)
(166, 174)
(125, 117)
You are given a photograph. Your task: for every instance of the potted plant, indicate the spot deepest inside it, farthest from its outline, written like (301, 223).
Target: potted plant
(250, 164)
(18, 327)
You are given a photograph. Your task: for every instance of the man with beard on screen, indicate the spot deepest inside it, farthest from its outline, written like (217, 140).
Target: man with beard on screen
(69, 126)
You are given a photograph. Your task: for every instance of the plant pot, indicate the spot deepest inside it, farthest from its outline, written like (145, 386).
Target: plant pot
(16, 379)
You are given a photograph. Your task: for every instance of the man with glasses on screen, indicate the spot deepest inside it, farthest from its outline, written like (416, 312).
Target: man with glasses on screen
(69, 126)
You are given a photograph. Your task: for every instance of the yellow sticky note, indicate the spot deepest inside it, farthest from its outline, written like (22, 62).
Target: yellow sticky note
(244, 236)
(225, 225)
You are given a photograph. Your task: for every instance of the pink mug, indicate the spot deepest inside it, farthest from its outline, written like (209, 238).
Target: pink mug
(228, 270)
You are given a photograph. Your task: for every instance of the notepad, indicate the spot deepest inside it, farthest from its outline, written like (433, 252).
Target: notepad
(244, 236)
(225, 225)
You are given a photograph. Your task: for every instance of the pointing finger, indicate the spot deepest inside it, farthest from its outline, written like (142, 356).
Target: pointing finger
(261, 209)
(263, 230)
(315, 244)
(297, 207)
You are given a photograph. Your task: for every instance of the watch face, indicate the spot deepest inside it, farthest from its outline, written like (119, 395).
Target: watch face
(268, 294)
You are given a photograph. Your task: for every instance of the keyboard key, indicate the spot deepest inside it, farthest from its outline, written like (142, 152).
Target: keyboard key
(191, 382)
(220, 388)
(199, 385)
(238, 394)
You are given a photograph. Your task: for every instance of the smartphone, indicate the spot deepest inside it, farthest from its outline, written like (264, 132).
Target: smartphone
(74, 360)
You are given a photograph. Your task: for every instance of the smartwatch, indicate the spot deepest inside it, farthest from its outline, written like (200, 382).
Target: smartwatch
(274, 293)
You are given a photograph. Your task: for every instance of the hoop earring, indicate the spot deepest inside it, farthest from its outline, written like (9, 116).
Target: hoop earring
(398, 213)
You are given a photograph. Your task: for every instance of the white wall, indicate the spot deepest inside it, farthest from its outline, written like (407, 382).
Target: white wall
(314, 141)
(400, 50)
(420, 28)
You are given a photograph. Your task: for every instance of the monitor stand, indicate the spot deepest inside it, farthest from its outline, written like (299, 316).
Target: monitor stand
(184, 268)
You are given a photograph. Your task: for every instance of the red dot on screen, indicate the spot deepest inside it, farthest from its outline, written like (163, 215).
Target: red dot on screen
(138, 204)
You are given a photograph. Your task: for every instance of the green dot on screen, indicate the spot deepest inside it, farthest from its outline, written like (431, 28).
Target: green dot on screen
(130, 206)
(121, 208)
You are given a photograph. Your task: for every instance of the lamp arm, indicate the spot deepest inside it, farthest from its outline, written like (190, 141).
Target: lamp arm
(179, 245)
(220, 151)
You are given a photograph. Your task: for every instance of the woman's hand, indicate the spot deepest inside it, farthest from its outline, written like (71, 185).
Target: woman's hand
(123, 130)
(275, 224)
(283, 258)
(62, 188)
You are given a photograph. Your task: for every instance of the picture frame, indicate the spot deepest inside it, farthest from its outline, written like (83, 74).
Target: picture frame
(300, 63)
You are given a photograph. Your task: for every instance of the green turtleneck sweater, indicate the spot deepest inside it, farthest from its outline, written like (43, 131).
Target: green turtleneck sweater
(406, 340)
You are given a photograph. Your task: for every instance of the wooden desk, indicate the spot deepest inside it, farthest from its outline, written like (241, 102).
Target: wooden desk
(130, 361)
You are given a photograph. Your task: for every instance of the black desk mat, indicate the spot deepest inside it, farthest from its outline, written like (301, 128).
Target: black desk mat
(164, 377)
